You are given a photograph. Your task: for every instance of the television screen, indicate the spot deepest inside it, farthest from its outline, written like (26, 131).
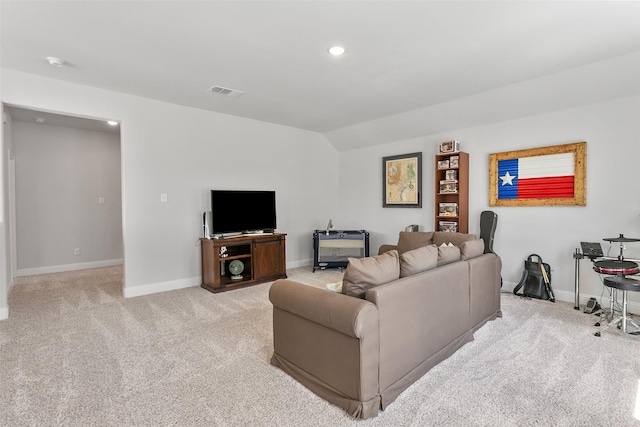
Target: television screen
(238, 211)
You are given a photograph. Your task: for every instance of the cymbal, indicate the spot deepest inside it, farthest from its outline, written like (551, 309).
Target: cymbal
(621, 238)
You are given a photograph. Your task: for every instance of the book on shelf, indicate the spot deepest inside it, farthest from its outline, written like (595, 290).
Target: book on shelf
(448, 209)
(448, 186)
(451, 226)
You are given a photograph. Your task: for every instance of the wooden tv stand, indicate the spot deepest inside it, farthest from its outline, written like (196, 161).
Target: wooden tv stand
(263, 256)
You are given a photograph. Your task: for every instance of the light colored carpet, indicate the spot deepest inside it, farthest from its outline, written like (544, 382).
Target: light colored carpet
(74, 352)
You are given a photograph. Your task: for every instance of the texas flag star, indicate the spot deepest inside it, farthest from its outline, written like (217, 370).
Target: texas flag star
(507, 179)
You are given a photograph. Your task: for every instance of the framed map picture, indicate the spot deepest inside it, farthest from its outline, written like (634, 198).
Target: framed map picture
(402, 181)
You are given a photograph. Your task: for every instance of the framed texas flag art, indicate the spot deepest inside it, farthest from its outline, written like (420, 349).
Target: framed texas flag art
(546, 176)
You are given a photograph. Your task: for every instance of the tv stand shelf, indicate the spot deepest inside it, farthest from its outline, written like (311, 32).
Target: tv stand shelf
(263, 257)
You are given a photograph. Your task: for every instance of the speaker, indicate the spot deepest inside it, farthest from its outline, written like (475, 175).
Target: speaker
(206, 219)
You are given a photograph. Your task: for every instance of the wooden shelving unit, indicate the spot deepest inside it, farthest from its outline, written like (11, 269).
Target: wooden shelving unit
(452, 191)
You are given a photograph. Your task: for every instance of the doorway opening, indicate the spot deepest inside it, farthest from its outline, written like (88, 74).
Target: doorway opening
(65, 192)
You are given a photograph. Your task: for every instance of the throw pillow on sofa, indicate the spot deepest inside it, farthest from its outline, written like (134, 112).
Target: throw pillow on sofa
(413, 240)
(366, 273)
(471, 249)
(418, 260)
(448, 254)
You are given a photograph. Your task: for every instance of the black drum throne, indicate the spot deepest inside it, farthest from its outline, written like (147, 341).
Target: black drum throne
(623, 284)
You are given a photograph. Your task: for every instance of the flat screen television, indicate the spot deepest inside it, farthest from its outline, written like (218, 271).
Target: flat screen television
(242, 211)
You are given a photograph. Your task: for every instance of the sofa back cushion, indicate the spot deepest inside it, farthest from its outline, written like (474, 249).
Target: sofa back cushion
(440, 237)
(418, 260)
(413, 240)
(366, 273)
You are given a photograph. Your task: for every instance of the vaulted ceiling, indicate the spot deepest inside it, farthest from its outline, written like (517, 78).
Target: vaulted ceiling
(411, 67)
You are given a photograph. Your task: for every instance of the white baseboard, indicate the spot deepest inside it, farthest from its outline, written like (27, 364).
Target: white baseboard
(153, 288)
(569, 296)
(299, 263)
(4, 313)
(67, 267)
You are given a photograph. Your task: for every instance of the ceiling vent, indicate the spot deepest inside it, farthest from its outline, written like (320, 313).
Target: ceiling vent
(225, 91)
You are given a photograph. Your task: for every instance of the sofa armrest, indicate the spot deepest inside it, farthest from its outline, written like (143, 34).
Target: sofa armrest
(386, 248)
(329, 342)
(333, 310)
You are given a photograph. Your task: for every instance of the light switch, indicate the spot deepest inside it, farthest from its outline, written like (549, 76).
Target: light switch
(101, 200)
(163, 197)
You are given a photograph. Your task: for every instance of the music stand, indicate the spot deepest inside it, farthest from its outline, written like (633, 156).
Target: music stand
(591, 250)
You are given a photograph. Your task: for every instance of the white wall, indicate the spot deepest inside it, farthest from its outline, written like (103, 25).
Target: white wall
(5, 217)
(611, 130)
(61, 174)
(184, 152)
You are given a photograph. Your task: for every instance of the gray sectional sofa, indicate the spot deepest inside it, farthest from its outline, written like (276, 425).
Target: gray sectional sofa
(399, 314)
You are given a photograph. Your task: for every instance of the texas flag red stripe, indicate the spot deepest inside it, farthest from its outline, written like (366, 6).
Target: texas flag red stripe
(549, 188)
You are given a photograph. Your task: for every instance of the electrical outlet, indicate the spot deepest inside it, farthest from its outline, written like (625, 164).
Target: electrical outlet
(76, 251)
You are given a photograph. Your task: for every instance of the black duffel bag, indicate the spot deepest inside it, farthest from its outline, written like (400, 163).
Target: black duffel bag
(536, 279)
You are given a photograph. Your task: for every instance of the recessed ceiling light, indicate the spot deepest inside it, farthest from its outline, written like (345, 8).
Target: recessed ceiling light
(337, 50)
(39, 120)
(56, 62)
(112, 122)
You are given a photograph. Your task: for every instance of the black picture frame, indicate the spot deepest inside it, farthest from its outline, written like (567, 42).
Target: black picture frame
(402, 181)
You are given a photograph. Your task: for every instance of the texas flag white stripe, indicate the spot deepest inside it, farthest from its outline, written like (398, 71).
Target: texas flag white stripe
(546, 166)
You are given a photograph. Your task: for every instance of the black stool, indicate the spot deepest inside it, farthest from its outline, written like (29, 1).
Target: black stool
(624, 284)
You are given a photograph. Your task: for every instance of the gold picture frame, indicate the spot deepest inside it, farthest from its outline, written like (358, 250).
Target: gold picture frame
(402, 181)
(499, 195)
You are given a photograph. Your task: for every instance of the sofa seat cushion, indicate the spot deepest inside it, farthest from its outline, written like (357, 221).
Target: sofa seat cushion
(418, 260)
(366, 273)
(440, 237)
(413, 240)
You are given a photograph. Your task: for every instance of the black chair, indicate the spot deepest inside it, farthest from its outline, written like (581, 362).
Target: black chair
(623, 284)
